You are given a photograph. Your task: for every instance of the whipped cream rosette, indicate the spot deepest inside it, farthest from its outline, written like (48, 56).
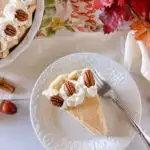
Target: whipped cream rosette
(8, 30)
(76, 98)
(76, 93)
(9, 34)
(11, 11)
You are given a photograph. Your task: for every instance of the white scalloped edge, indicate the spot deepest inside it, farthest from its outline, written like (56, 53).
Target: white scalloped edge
(48, 132)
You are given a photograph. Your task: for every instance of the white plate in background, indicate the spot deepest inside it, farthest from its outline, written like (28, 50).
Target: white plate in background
(57, 130)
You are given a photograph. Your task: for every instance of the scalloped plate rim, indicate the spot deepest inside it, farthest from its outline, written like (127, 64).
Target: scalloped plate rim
(47, 68)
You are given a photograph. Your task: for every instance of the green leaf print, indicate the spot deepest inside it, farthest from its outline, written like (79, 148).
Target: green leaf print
(49, 2)
(70, 28)
(50, 31)
(46, 21)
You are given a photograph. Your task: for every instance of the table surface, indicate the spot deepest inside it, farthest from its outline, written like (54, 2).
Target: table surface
(16, 131)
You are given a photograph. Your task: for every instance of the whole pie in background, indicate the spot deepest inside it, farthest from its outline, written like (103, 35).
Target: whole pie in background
(15, 19)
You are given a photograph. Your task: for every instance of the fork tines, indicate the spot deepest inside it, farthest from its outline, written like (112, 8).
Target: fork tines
(103, 86)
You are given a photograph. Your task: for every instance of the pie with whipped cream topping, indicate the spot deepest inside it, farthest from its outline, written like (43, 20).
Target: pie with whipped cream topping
(15, 19)
(76, 93)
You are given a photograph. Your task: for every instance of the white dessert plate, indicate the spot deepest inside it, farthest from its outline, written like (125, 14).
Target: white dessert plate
(29, 36)
(59, 131)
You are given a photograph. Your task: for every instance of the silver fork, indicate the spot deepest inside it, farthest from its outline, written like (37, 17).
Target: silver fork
(105, 90)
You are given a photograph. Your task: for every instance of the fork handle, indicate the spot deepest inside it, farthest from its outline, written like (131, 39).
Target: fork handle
(144, 136)
(135, 126)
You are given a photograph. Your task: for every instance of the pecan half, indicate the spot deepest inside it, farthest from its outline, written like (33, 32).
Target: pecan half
(10, 30)
(69, 88)
(57, 100)
(88, 78)
(21, 15)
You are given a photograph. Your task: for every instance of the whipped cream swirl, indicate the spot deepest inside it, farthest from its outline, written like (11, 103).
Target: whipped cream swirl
(50, 92)
(10, 11)
(78, 97)
(89, 91)
(75, 99)
(4, 38)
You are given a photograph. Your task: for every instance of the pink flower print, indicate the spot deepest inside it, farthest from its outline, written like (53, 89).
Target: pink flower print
(83, 15)
(74, 1)
(91, 25)
(75, 7)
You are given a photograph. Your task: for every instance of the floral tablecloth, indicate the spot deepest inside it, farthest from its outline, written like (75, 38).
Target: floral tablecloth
(73, 15)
